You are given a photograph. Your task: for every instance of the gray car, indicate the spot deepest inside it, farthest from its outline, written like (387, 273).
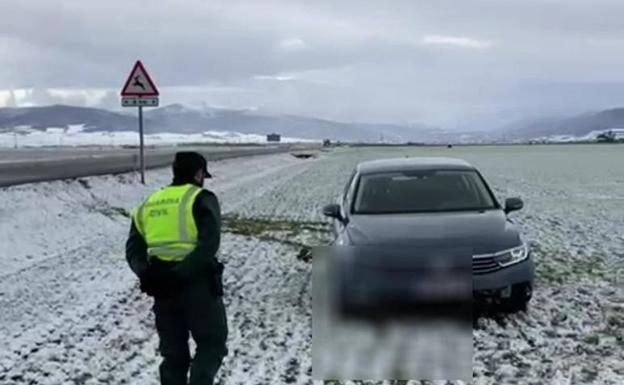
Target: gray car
(404, 218)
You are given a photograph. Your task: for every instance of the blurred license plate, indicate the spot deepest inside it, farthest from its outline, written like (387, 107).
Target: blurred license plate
(442, 288)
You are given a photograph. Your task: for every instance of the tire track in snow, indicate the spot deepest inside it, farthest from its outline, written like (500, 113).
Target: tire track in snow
(235, 196)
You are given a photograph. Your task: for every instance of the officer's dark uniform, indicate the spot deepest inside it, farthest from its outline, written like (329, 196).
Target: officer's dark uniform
(187, 294)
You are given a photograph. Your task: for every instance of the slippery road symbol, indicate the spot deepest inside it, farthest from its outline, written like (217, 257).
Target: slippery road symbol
(138, 83)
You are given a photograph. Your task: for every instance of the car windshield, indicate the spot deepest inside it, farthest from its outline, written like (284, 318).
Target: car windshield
(422, 191)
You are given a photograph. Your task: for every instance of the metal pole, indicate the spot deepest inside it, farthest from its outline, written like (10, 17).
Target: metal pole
(141, 150)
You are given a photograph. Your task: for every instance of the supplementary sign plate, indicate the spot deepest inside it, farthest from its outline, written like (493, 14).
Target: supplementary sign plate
(135, 102)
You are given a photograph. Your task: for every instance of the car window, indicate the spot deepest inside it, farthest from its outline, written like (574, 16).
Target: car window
(429, 191)
(471, 188)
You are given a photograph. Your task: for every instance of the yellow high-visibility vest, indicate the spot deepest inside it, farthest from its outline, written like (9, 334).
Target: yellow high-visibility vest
(166, 222)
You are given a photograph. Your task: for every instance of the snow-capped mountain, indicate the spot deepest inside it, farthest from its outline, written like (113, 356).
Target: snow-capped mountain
(586, 126)
(199, 118)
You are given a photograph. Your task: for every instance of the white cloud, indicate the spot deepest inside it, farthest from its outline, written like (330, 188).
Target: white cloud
(8, 99)
(458, 41)
(280, 78)
(292, 44)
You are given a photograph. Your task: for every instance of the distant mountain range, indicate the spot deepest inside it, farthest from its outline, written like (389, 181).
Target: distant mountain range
(578, 126)
(181, 119)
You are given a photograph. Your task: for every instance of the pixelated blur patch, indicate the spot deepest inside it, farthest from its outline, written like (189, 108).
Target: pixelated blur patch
(391, 313)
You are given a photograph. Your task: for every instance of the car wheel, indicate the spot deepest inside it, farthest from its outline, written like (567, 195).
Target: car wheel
(520, 296)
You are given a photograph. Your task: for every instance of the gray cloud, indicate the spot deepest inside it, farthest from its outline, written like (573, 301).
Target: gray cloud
(451, 63)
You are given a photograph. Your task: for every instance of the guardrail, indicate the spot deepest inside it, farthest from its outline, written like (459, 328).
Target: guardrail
(22, 172)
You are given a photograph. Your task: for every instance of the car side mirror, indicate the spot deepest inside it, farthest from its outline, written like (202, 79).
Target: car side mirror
(333, 211)
(513, 204)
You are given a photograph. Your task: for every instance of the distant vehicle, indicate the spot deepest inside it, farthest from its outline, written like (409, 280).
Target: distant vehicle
(274, 138)
(611, 136)
(428, 206)
(608, 136)
(326, 142)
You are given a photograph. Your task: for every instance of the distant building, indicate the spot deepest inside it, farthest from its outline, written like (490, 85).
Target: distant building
(274, 137)
(326, 142)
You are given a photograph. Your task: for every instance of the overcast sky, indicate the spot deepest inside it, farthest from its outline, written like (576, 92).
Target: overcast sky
(466, 64)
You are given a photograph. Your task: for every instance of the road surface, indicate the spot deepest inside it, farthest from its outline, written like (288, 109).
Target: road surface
(44, 164)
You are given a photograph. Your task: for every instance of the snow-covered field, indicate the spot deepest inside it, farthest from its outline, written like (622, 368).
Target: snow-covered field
(591, 136)
(72, 313)
(75, 136)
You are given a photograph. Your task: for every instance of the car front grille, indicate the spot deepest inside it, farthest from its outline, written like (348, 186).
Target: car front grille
(484, 265)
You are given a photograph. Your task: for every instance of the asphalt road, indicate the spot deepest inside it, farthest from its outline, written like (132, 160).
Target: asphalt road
(38, 165)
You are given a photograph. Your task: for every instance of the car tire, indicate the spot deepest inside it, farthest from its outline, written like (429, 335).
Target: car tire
(520, 296)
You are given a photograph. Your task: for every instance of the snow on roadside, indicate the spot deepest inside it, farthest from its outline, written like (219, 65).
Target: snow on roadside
(107, 336)
(75, 136)
(60, 216)
(73, 309)
(76, 314)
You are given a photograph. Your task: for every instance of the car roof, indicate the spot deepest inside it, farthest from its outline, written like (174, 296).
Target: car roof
(413, 163)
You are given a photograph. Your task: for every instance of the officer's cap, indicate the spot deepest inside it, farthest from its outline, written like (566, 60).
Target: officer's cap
(186, 164)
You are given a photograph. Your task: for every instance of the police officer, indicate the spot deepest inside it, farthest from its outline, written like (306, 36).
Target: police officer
(172, 247)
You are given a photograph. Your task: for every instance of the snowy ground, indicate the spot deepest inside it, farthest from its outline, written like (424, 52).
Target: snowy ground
(72, 314)
(75, 136)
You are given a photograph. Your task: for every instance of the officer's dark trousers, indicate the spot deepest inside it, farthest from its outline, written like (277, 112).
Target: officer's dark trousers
(195, 311)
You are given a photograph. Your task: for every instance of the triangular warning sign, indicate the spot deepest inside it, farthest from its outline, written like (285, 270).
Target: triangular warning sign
(139, 83)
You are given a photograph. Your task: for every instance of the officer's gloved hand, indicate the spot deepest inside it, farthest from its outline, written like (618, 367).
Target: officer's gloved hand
(149, 282)
(160, 283)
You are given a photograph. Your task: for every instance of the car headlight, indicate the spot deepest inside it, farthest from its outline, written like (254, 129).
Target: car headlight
(512, 256)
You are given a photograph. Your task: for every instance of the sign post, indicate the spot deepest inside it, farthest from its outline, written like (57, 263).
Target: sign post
(140, 91)
(141, 145)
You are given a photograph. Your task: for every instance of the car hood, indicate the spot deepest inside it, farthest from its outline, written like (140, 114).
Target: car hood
(482, 232)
